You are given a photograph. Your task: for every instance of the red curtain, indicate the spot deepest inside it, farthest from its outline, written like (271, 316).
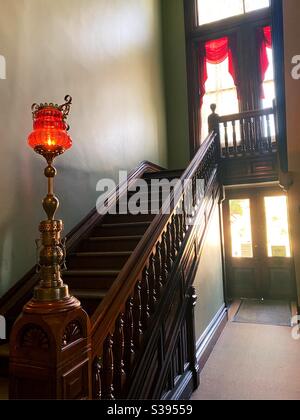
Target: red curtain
(215, 52)
(264, 41)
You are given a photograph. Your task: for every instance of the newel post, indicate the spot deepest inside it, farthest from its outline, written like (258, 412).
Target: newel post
(50, 352)
(50, 342)
(214, 126)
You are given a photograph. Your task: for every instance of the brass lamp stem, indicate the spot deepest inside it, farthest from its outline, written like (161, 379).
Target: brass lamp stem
(52, 252)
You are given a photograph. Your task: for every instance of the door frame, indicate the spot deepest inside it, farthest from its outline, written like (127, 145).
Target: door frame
(256, 195)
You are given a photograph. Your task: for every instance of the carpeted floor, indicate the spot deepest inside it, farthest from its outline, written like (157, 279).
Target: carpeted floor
(252, 362)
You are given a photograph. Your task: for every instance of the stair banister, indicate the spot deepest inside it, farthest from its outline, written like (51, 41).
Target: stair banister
(139, 268)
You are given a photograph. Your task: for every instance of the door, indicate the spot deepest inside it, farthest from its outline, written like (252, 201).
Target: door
(259, 261)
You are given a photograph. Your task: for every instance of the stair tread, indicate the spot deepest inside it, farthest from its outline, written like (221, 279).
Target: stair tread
(91, 273)
(110, 225)
(89, 294)
(113, 238)
(102, 254)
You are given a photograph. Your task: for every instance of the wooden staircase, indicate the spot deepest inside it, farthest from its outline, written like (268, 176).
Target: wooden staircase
(133, 275)
(97, 260)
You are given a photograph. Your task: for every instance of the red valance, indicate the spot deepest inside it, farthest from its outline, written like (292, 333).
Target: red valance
(264, 41)
(215, 52)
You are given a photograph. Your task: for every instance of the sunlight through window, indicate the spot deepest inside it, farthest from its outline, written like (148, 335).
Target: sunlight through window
(214, 10)
(240, 222)
(277, 227)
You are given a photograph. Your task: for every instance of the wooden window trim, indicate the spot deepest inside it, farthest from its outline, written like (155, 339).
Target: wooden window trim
(196, 34)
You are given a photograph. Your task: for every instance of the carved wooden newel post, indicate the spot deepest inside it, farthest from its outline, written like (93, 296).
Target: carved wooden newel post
(50, 341)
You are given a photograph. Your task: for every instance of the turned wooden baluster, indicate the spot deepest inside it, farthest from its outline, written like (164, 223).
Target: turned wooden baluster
(243, 140)
(178, 234)
(158, 271)
(152, 284)
(169, 246)
(164, 258)
(248, 135)
(269, 137)
(145, 299)
(235, 150)
(253, 135)
(184, 221)
(118, 354)
(128, 337)
(97, 379)
(107, 373)
(174, 239)
(226, 139)
(137, 316)
(181, 221)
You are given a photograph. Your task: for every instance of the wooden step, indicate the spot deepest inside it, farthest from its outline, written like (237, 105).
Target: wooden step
(163, 174)
(90, 279)
(90, 299)
(98, 260)
(128, 218)
(89, 294)
(121, 229)
(107, 244)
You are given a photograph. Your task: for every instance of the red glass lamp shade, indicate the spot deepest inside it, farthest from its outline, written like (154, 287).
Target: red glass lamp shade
(49, 135)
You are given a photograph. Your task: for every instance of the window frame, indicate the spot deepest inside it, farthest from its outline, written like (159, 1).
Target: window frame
(196, 34)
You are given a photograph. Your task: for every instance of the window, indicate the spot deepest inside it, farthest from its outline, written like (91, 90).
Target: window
(269, 85)
(220, 90)
(214, 10)
(240, 222)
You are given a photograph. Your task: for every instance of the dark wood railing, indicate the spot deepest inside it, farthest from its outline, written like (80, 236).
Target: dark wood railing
(251, 132)
(123, 319)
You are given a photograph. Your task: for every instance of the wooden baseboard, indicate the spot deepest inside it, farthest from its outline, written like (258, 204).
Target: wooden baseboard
(183, 390)
(209, 338)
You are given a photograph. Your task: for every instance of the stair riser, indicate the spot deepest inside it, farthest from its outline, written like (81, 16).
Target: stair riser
(90, 305)
(109, 246)
(4, 366)
(89, 283)
(92, 263)
(134, 230)
(128, 218)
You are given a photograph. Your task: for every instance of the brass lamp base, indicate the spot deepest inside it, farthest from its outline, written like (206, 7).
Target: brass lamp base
(51, 294)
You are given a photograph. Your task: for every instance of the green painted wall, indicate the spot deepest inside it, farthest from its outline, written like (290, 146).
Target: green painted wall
(107, 55)
(175, 77)
(209, 278)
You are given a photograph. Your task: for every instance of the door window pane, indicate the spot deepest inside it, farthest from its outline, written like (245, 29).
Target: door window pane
(277, 227)
(240, 222)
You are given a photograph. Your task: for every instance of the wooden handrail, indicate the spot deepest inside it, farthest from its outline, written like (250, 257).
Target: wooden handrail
(246, 114)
